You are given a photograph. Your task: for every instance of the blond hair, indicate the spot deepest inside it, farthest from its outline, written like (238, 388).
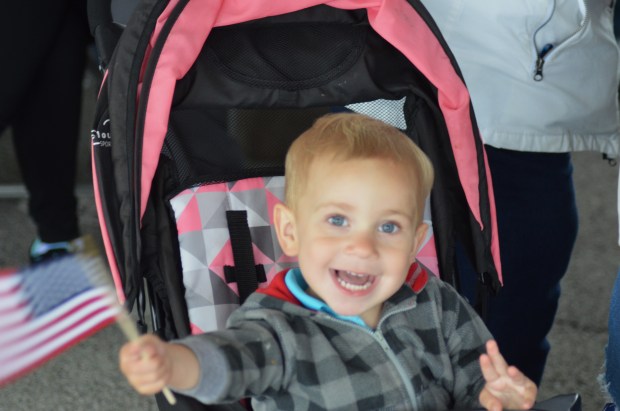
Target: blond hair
(349, 136)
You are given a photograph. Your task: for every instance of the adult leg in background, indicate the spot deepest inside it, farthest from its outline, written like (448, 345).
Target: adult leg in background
(537, 223)
(612, 351)
(45, 108)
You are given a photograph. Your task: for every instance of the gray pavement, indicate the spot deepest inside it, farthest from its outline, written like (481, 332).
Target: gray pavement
(87, 378)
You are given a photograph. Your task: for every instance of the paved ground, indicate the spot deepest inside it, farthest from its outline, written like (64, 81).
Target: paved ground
(87, 378)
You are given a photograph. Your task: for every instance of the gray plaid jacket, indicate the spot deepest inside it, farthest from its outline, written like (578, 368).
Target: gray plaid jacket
(423, 355)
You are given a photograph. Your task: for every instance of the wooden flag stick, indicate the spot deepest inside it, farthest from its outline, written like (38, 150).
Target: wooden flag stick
(130, 330)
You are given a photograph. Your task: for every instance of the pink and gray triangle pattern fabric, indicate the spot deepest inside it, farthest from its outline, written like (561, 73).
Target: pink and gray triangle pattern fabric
(205, 247)
(205, 244)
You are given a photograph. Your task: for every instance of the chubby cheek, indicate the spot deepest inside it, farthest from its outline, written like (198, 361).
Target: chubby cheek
(319, 247)
(399, 262)
(315, 255)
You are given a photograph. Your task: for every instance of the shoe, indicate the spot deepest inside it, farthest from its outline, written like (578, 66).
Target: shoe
(41, 251)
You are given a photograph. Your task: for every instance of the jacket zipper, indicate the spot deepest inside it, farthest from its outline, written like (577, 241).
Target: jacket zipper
(540, 61)
(378, 336)
(543, 53)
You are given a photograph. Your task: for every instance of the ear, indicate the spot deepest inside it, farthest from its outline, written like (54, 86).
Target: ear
(420, 236)
(286, 229)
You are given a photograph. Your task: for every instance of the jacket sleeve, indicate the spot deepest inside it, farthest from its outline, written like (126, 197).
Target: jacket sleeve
(236, 363)
(465, 335)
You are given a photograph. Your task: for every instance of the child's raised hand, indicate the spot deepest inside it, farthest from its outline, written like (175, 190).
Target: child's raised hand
(506, 387)
(146, 364)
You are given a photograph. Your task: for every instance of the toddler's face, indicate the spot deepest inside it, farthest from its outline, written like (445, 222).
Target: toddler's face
(355, 235)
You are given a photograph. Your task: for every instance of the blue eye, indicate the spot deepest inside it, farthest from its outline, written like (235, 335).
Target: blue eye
(337, 220)
(389, 228)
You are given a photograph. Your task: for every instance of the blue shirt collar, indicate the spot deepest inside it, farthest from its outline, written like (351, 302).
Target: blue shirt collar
(296, 284)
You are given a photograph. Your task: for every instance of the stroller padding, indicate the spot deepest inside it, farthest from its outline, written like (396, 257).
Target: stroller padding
(282, 77)
(205, 243)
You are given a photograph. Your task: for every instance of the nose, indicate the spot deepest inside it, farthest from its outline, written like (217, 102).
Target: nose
(362, 245)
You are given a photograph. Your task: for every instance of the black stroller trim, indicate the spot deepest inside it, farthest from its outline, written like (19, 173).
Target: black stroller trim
(115, 159)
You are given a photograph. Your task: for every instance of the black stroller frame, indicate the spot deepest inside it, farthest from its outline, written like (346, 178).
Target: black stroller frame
(187, 87)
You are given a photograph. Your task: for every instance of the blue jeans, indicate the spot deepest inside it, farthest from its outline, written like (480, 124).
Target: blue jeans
(537, 223)
(612, 352)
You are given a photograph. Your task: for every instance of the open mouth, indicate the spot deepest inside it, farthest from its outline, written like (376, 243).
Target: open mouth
(352, 281)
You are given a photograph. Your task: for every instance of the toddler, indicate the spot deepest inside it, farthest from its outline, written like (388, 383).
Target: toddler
(343, 331)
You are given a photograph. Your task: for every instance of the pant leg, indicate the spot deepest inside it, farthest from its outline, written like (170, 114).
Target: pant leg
(537, 224)
(612, 351)
(45, 130)
(27, 32)
(617, 21)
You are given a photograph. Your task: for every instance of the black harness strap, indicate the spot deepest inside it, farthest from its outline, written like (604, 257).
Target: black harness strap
(231, 277)
(245, 270)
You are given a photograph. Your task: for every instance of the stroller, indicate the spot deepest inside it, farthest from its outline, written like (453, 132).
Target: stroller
(198, 105)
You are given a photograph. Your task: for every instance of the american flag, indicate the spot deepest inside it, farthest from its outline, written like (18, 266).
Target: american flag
(47, 308)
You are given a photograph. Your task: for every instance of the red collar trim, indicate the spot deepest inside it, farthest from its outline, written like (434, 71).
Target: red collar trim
(417, 277)
(278, 289)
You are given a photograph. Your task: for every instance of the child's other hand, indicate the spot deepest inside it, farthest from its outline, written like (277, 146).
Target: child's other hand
(506, 387)
(146, 364)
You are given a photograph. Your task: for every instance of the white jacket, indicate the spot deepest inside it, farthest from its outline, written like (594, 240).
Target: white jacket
(572, 103)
